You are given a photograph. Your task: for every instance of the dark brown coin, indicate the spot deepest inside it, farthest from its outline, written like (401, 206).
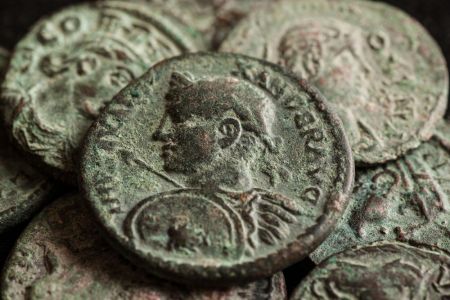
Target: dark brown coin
(405, 199)
(382, 271)
(61, 255)
(22, 188)
(381, 71)
(70, 64)
(246, 167)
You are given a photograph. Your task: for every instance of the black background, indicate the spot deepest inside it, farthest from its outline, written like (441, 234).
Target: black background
(16, 17)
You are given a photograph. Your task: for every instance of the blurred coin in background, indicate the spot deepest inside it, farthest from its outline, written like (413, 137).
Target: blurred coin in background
(406, 199)
(383, 73)
(62, 255)
(385, 270)
(70, 65)
(23, 189)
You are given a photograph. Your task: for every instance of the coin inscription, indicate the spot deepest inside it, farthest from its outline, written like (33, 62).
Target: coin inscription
(232, 155)
(70, 64)
(61, 254)
(376, 77)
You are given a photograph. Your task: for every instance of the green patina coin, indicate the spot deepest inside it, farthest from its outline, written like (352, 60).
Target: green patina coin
(405, 199)
(382, 72)
(72, 63)
(23, 189)
(217, 168)
(384, 270)
(61, 255)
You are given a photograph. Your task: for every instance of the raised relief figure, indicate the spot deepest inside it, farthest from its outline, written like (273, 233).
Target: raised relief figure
(345, 64)
(218, 134)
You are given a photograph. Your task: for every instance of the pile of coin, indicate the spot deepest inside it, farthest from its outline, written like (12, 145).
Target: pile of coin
(196, 149)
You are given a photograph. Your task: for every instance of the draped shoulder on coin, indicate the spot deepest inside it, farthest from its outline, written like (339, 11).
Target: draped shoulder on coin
(214, 168)
(23, 189)
(71, 63)
(383, 270)
(61, 255)
(379, 68)
(405, 199)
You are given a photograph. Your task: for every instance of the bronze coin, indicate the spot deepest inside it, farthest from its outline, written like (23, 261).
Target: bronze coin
(62, 255)
(382, 271)
(71, 64)
(216, 168)
(379, 68)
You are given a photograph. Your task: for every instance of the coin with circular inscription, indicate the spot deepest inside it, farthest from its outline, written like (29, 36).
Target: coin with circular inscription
(245, 165)
(62, 255)
(405, 199)
(23, 189)
(71, 63)
(380, 70)
(384, 270)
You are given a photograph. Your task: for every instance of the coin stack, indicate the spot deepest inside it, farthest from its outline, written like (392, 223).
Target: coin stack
(190, 149)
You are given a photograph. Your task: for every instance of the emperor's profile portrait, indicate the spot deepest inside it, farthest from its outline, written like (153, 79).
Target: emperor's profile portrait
(217, 133)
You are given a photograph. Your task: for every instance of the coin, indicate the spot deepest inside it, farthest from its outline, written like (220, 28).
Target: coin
(22, 188)
(386, 270)
(245, 165)
(405, 199)
(62, 255)
(71, 63)
(383, 73)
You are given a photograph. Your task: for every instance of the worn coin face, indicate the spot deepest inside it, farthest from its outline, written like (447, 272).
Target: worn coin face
(245, 165)
(22, 188)
(61, 255)
(379, 68)
(386, 270)
(72, 63)
(405, 199)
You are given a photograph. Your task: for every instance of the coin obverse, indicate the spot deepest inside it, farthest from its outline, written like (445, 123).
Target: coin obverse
(22, 188)
(382, 72)
(384, 270)
(405, 199)
(246, 167)
(71, 63)
(61, 255)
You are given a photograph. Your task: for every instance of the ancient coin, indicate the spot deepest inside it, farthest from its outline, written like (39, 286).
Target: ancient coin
(382, 72)
(72, 63)
(247, 169)
(22, 189)
(405, 199)
(384, 270)
(61, 255)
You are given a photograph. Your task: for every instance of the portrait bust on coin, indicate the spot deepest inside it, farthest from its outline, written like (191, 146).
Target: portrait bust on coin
(217, 139)
(243, 163)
